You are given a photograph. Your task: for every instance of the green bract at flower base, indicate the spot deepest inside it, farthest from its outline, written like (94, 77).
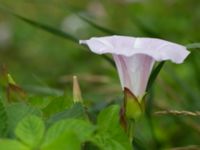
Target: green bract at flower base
(131, 111)
(133, 108)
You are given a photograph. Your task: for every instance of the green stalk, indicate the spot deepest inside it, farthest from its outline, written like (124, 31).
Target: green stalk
(130, 131)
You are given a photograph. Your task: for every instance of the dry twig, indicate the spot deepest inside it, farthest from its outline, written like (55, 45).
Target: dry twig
(178, 113)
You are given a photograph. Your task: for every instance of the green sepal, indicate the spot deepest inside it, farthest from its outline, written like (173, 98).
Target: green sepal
(133, 108)
(142, 102)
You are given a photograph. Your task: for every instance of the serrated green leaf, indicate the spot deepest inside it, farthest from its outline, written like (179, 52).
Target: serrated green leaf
(81, 128)
(56, 105)
(3, 120)
(76, 111)
(30, 131)
(67, 140)
(6, 144)
(108, 118)
(108, 142)
(110, 135)
(154, 75)
(16, 112)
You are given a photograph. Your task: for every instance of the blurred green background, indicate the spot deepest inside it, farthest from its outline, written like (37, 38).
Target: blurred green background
(43, 63)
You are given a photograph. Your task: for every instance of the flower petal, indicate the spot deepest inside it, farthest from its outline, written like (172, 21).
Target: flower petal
(128, 46)
(135, 57)
(134, 72)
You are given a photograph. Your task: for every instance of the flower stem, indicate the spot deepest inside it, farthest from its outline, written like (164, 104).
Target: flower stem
(130, 130)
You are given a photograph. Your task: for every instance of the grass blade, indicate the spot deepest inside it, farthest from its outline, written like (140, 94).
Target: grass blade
(53, 31)
(193, 46)
(145, 29)
(93, 24)
(48, 28)
(42, 26)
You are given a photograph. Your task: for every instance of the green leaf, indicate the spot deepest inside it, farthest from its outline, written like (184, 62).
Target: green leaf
(39, 101)
(30, 131)
(76, 111)
(108, 118)
(57, 104)
(154, 75)
(108, 142)
(110, 135)
(16, 112)
(67, 140)
(81, 128)
(138, 144)
(6, 144)
(3, 120)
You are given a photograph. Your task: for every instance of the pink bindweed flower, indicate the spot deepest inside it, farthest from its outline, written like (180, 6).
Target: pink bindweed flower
(135, 57)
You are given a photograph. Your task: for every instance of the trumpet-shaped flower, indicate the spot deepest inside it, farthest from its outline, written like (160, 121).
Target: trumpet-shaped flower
(135, 57)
